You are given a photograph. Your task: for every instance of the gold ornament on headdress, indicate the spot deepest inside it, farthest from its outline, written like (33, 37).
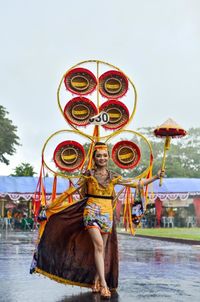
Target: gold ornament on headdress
(101, 147)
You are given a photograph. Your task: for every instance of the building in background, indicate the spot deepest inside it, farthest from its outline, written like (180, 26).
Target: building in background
(175, 204)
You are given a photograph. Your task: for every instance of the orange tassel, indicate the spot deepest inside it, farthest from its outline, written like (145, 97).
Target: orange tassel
(70, 198)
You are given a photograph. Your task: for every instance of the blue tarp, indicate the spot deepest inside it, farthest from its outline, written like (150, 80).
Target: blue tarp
(177, 185)
(26, 184)
(12, 184)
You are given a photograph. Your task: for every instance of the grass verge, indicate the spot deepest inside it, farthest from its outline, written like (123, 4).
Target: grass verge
(179, 233)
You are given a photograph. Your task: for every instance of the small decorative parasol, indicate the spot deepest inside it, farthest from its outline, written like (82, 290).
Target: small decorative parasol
(169, 129)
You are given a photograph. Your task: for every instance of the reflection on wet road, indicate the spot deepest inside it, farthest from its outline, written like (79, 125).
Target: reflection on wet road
(150, 270)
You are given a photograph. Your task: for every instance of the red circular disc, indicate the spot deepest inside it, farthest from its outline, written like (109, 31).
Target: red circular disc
(79, 110)
(126, 154)
(69, 155)
(118, 114)
(113, 84)
(80, 81)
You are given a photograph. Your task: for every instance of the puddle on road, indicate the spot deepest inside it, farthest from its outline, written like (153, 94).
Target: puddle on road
(150, 271)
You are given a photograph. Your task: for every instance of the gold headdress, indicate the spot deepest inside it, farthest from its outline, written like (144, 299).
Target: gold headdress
(101, 147)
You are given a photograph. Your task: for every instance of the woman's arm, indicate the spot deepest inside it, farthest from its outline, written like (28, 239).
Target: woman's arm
(148, 181)
(133, 183)
(161, 173)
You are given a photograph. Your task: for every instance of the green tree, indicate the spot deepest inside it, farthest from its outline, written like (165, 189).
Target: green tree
(24, 169)
(8, 137)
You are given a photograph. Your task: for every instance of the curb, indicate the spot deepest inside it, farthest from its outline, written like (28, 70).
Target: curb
(176, 240)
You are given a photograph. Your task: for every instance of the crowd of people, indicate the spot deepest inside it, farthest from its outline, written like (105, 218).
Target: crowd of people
(17, 220)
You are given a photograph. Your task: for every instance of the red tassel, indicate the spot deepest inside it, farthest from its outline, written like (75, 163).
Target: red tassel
(40, 193)
(53, 196)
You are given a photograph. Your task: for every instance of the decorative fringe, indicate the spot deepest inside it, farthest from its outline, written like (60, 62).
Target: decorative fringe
(60, 280)
(65, 281)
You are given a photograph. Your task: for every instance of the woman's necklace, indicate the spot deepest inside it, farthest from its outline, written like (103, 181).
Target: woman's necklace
(101, 176)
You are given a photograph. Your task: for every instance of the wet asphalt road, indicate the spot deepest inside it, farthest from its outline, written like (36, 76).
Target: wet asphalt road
(150, 270)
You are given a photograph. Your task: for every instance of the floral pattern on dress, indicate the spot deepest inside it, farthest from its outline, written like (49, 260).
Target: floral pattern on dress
(92, 217)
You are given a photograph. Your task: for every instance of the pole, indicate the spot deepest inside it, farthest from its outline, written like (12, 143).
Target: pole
(166, 148)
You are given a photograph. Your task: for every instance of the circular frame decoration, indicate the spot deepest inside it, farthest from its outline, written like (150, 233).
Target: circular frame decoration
(118, 113)
(113, 83)
(79, 110)
(52, 136)
(124, 132)
(80, 81)
(69, 153)
(98, 63)
(126, 154)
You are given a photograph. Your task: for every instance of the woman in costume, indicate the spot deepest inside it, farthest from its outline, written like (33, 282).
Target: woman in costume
(78, 243)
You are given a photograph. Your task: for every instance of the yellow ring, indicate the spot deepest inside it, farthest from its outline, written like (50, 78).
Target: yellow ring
(97, 62)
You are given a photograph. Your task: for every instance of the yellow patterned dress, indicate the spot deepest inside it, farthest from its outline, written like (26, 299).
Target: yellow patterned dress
(98, 212)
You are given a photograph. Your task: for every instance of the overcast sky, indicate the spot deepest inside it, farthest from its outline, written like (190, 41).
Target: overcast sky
(155, 42)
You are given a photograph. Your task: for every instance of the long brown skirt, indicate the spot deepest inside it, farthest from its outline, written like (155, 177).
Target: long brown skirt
(66, 253)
